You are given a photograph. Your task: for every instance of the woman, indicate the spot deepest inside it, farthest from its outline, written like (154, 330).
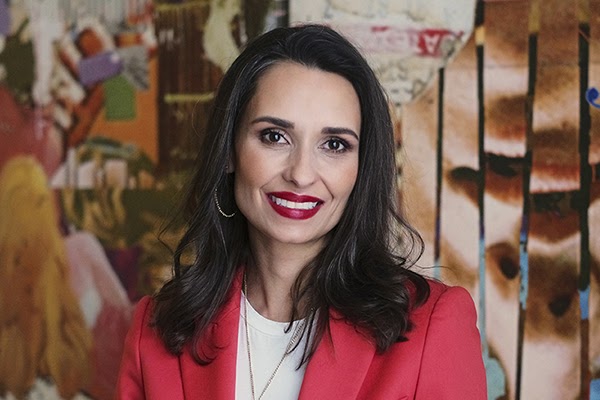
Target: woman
(300, 284)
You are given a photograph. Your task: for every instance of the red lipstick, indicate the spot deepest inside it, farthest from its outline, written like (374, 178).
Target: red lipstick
(309, 205)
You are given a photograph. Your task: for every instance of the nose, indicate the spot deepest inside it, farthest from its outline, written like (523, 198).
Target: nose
(301, 169)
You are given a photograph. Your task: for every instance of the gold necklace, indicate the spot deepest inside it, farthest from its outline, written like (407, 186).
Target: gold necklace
(289, 347)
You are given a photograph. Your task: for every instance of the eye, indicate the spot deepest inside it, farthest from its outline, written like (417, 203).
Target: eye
(273, 136)
(337, 145)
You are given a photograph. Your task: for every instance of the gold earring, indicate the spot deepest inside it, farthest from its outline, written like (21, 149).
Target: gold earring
(219, 206)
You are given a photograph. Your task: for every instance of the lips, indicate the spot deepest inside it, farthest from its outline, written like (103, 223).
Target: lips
(294, 206)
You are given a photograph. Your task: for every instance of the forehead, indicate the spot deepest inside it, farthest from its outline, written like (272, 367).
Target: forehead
(297, 91)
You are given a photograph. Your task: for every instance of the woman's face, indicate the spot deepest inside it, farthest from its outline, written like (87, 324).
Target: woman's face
(296, 154)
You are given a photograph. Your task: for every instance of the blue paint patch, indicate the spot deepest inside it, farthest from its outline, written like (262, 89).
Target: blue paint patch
(4, 18)
(482, 325)
(584, 300)
(437, 269)
(591, 95)
(524, 262)
(595, 389)
(496, 379)
(523, 234)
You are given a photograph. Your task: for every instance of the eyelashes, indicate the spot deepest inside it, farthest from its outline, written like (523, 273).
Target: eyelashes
(273, 136)
(338, 145)
(332, 144)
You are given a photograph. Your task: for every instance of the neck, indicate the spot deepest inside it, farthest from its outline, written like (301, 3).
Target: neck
(271, 275)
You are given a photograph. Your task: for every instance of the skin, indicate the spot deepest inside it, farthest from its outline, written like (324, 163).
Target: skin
(299, 134)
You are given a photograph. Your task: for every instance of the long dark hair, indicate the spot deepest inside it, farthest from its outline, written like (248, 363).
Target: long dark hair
(363, 272)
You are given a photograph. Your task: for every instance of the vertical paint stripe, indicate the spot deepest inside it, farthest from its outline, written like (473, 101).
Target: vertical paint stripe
(524, 231)
(282, 6)
(439, 174)
(479, 53)
(490, 363)
(583, 205)
(505, 89)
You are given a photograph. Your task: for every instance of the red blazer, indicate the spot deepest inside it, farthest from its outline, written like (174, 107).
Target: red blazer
(441, 360)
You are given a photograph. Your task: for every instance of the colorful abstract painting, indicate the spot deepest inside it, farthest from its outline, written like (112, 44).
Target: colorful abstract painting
(103, 103)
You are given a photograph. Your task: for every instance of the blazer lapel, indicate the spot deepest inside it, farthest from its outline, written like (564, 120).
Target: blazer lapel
(336, 370)
(340, 363)
(216, 381)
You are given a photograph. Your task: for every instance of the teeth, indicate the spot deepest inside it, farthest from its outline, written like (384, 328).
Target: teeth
(309, 205)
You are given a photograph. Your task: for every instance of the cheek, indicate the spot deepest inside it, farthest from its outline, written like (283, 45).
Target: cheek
(343, 181)
(341, 189)
(251, 169)
(349, 182)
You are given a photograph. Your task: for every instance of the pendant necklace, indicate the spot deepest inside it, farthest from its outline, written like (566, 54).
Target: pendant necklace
(289, 347)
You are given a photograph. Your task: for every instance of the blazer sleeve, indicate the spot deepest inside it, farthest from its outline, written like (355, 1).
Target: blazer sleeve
(130, 385)
(452, 365)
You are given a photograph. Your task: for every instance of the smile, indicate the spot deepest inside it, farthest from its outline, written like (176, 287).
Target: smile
(294, 206)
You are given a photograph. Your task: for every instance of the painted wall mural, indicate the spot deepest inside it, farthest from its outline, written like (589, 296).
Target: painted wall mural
(501, 175)
(74, 148)
(498, 130)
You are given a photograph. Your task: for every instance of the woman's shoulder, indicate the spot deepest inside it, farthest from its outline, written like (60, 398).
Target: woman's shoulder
(440, 291)
(146, 365)
(443, 333)
(141, 323)
(446, 304)
(142, 332)
(143, 310)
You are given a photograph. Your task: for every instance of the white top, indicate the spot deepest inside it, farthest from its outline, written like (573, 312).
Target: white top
(269, 341)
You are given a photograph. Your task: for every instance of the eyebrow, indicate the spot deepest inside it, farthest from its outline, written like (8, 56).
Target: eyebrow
(290, 125)
(340, 131)
(275, 121)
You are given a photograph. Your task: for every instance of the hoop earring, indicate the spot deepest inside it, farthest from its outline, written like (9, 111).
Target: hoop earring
(219, 207)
